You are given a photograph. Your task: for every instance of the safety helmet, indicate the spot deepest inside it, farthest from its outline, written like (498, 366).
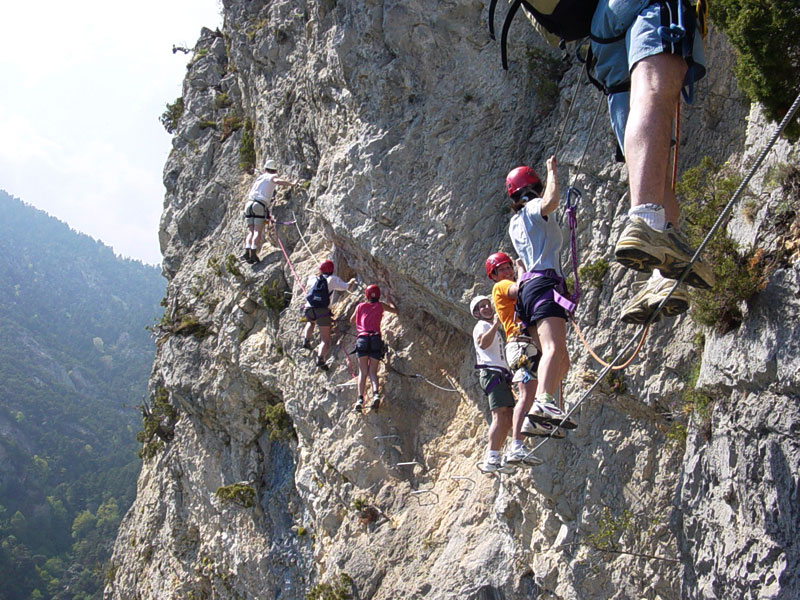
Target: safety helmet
(495, 260)
(270, 165)
(373, 292)
(473, 305)
(326, 267)
(521, 177)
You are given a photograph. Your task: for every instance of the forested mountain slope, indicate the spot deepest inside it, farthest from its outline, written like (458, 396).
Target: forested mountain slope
(74, 359)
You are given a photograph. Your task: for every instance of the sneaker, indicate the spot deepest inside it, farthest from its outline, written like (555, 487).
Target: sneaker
(307, 344)
(653, 291)
(376, 402)
(642, 248)
(550, 413)
(496, 467)
(521, 456)
(532, 428)
(359, 407)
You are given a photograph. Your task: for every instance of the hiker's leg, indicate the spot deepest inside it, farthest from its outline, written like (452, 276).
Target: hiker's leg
(258, 235)
(499, 427)
(251, 231)
(527, 394)
(373, 373)
(363, 369)
(325, 334)
(555, 359)
(309, 331)
(655, 89)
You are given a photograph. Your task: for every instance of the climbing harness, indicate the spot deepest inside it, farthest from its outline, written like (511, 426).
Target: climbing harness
(714, 228)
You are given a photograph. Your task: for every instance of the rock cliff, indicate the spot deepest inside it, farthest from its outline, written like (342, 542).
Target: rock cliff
(400, 119)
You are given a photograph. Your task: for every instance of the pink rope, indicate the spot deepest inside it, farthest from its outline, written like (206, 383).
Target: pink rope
(291, 266)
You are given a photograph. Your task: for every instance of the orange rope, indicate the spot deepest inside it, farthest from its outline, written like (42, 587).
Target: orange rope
(677, 143)
(600, 360)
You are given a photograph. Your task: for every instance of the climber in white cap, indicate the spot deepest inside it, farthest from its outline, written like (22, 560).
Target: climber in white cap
(256, 212)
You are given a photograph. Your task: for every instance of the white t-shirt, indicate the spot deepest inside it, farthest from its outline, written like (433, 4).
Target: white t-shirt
(263, 187)
(493, 355)
(334, 284)
(536, 239)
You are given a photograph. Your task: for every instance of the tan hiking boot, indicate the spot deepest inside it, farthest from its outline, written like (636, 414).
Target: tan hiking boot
(642, 248)
(653, 291)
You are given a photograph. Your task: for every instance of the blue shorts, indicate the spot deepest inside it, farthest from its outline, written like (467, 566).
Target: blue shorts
(639, 20)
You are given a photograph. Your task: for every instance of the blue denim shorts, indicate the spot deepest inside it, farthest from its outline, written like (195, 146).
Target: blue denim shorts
(640, 22)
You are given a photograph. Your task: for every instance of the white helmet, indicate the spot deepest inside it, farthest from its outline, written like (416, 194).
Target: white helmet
(473, 305)
(270, 165)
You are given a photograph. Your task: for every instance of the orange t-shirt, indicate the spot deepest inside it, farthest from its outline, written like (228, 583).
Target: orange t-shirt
(504, 306)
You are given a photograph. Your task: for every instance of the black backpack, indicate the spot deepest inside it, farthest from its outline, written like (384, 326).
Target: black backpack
(319, 296)
(569, 19)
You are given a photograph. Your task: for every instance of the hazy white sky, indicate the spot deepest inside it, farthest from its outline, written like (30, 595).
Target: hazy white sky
(82, 85)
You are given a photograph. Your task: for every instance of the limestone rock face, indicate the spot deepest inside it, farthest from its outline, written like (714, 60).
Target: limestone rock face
(401, 124)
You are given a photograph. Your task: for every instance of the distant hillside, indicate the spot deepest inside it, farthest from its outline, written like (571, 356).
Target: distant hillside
(74, 361)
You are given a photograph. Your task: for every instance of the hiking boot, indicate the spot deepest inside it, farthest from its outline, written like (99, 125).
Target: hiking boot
(322, 364)
(496, 467)
(253, 258)
(246, 256)
(307, 344)
(642, 248)
(521, 456)
(376, 402)
(359, 407)
(550, 413)
(653, 291)
(532, 428)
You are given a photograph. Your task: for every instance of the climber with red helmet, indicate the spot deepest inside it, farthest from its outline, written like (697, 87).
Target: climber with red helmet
(536, 237)
(256, 213)
(521, 351)
(317, 308)
(369, 344)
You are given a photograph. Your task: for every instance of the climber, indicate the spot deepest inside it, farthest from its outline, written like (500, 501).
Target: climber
(541, 292)
(495, 381)
(522, 353)
(645, 54)
(256, 212)
(370, 348)
(317, 308)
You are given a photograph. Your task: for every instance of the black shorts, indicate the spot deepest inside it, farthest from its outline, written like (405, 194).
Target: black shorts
(371, 346)
(531, 294)
(321, 316)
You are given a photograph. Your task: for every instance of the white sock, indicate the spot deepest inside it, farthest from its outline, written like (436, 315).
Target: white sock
(492, 456)
(652, 214)
(517, 445)
(545, 398)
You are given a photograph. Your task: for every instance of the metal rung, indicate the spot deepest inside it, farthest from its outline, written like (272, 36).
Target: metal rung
(406, 464)
(463, 478)
(385, 437)
(420, 492)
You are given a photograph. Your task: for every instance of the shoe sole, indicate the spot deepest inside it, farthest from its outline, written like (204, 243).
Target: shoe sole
(554, 421)
(631, 255)
(531, 461)
(504, 470)
(672, 308)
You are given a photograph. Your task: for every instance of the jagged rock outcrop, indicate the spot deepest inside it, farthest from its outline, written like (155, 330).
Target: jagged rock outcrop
(402, 122)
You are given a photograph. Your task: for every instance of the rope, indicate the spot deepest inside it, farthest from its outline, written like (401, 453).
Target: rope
(291, 266)
(569, 111)
(418, 376)
(720, 220)
(677, 143)
(600, 360)
(303, 239)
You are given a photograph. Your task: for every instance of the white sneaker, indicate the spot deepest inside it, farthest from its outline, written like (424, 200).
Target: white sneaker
(652, 292)
(495, 467)
(521, 456)
(544, 429)
(550, 413)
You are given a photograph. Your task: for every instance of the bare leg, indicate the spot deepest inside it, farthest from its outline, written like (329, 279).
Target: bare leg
(248, 240)
(309, 331)
(527, 394)
(373, 375)
(655, 88)
(555, 360)
(258, 236)
(325, 334)
(363, 369)
(499, 427)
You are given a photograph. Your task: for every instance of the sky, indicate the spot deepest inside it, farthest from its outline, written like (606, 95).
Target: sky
(82, 85)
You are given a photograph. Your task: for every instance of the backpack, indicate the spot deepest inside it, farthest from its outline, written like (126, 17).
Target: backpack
(319, 296)
(567, 19)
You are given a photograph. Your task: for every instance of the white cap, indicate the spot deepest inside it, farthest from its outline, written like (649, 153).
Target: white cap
(474, 304)
(270, 165)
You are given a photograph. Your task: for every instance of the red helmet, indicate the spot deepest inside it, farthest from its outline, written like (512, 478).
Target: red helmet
(326, 267)
(495, 260)
(521, 177)
(373, 292)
